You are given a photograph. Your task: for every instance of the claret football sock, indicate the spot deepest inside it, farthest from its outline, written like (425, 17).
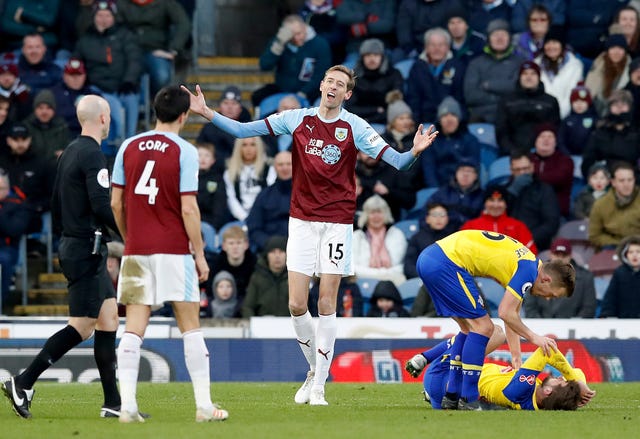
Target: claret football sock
(56, 346)
(472, 360)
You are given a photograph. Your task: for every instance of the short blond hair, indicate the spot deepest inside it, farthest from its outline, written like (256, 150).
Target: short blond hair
(234, 232)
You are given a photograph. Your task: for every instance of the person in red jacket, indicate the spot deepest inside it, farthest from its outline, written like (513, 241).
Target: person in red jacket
(552, 165)
(494, 218)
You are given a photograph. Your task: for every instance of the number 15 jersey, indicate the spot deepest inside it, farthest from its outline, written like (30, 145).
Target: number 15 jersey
(155, 169)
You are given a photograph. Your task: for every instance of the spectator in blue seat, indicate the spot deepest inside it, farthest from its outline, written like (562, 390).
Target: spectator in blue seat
(212, 192)
(528, 44)
(609, 71)
(597, 185)
(376, 78)
(462, 195)
(35, 65)
(299, 58)
(560, 70)
(455, 143)
(434, 226)
(269, 215)
(521, 8)
(491, 75)
(14, 220)
(386, 301)
(67, 92)
(587, 22)
(615, 138)
(415, 17)
(365, 19)
(435, 75)
(577, 127)
(621, 299)
(466, 43)
(524, 109)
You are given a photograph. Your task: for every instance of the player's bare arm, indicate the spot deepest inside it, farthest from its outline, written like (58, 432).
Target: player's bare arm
(118, 209)
(191, 219)
(509, 313)
(423, 140)
(198, 104)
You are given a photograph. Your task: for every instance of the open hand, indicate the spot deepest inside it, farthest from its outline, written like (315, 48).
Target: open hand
(422, 141)
(197, 103)
(548, 345)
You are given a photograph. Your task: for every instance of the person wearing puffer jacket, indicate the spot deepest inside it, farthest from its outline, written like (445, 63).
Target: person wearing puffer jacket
(386, 301)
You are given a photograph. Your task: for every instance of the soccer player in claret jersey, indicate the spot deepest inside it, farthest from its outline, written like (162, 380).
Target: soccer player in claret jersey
(447, 269)
(326, 140)
(155, 184)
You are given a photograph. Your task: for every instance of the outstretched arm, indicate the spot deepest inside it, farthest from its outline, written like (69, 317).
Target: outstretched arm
(509, 312)
(197, 103)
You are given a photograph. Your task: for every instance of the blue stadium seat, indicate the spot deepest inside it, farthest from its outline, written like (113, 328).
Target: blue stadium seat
(484, 132)
(366, 286)
(422, 196)
(409, 227)
(270, 104)
(404, 67)
(409, 290)
(499, 171)
(493, 293)
(577, 166)
(210, 237)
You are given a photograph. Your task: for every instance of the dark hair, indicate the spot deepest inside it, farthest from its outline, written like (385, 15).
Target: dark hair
(562, 398)
(518, 154)
(621, 164)
(170, 102)
(433, 204)
(562, 273)
(540, 9)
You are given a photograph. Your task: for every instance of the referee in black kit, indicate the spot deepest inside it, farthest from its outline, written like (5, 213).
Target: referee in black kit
(81, 211)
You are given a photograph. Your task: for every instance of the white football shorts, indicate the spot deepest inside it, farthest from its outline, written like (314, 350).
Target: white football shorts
(318, 247)
(154, 279)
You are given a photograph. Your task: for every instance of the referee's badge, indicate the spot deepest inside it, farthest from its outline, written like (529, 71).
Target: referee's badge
(103, 178)
(341, 134)
(212, 186)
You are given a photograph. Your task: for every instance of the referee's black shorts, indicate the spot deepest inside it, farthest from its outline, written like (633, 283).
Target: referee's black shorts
(88, 281)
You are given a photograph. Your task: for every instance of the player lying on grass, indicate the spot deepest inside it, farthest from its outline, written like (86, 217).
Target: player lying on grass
(505, 387)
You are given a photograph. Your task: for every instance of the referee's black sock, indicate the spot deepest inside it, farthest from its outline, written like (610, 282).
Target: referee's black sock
(104, 351)
(56, 346)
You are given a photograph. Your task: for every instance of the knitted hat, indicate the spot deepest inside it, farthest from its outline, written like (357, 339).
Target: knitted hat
(497, 24)
(616, 40)
(580, 92)
(555, 34)
(19, 130)
(545, 126)
(372, 45)
(275, 242)
(105, 5)
(496, 192)
(468, 162)
(74, 66)
(599, 166)
(231, 92)
(620, 96)
(44, 97)
(8, 66)
(634, 65)
(561, 245)
(396, 107)
(529, 65)
(449, 106)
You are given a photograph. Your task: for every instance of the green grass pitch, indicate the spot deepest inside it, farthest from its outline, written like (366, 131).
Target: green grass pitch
(267, 410)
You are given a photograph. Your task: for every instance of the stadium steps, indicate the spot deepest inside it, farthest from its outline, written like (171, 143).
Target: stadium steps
(47, 297)
(41, 310)
(214, 74)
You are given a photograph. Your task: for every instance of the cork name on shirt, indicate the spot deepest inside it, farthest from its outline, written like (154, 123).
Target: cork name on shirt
(153, 145)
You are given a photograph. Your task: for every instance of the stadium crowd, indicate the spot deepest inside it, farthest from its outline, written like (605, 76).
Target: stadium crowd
(537, 104)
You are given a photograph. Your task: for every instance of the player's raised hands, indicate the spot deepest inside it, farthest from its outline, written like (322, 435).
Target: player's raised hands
(423, 140)
(197, 103)
(548, 345)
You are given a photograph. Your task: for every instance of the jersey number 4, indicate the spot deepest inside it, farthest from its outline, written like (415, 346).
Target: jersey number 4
(146, 184)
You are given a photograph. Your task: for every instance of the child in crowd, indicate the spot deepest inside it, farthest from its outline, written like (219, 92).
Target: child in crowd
(578, 125)
(225, 301)
(597, 185)
(386, 301)
(622, 298)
